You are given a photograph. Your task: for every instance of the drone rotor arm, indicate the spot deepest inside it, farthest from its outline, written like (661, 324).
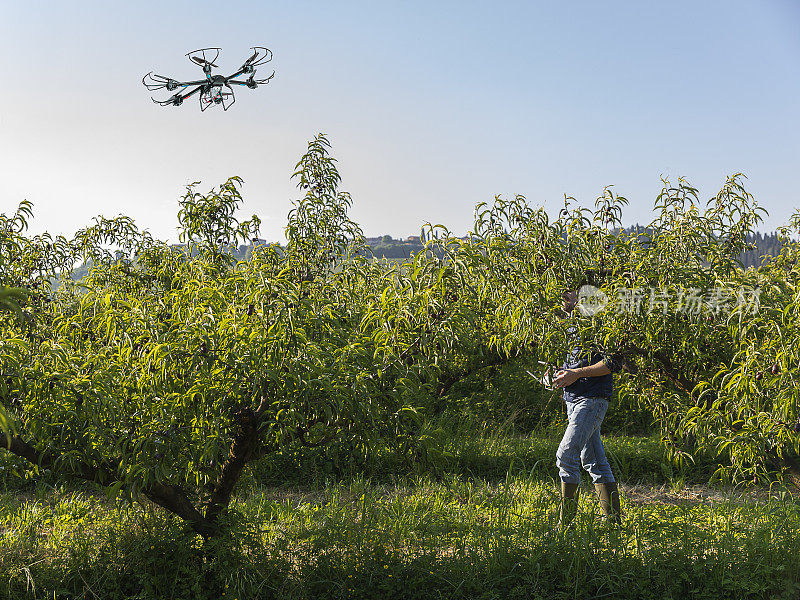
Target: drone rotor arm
(251, 81)
(191, 83)
(155, 82)
(177, 99)
(193, 92)
(241, 71)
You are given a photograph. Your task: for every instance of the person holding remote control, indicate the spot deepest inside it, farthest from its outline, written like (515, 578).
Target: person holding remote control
(587, 381)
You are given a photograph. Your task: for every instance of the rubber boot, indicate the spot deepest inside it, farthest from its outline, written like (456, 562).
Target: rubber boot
(608, 493)
(569, 504)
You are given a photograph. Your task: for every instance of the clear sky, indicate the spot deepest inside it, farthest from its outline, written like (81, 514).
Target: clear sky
(431, 107)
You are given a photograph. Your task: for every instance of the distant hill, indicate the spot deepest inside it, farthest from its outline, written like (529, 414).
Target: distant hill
(387, 247)
(767, 245)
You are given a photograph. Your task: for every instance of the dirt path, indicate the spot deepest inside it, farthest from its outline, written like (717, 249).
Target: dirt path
(694, 494)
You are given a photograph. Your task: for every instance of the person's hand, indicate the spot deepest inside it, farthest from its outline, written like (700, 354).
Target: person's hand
(565, 377)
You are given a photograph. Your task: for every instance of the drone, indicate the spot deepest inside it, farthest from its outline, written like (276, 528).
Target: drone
(211, 88)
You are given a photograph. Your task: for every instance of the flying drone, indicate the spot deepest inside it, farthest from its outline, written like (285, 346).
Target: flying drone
(211, 88)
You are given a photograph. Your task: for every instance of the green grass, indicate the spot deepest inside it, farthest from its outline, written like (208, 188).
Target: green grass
(473, 517)
(469, 449)
(485, 530)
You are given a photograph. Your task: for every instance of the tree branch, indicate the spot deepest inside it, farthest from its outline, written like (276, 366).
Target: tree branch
(242, 449)
(174, 500)
(667, 368)
(47, 460)
(445, 386)
(167, 496)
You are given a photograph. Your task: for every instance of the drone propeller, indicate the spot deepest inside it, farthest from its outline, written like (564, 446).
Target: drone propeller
(158, 82)
(203, 60)
(260, 56)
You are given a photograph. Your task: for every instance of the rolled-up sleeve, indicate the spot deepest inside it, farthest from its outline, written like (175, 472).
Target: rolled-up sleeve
(613, 362)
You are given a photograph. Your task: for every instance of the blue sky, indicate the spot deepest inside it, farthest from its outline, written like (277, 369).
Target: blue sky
(431, 107)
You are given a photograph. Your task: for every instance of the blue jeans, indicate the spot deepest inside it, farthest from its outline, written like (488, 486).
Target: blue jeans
(581, 444)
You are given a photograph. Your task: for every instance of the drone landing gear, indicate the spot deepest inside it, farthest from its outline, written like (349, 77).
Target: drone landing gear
(215, 95)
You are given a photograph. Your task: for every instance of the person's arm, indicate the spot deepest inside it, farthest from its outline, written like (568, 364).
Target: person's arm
(567, 377)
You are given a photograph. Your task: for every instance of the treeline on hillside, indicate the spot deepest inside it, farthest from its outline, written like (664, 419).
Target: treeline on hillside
(386, 246)
(766, 245)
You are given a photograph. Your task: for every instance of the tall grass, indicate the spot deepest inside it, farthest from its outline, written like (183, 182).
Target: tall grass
(456, 535)
(474, 517)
